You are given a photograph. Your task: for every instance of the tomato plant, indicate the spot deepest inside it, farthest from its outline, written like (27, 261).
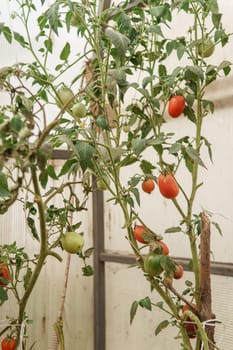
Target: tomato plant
(4, 275)
(148, 185)
(8, 343)
(168, 186)
(176, 106)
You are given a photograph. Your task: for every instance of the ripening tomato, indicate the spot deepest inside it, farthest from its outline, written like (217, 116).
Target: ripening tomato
(139, 231)
(179, 272)
(152, 264)
(164, 247)
(176, 106)
(8, 343)
(4, 275)
(190, 326)
(168, 186)
(148, 185)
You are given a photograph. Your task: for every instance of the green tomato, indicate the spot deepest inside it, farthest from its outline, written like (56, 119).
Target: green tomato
(72, 242)
(64, 97)
(152, 264)
(206, 48)
(79, 110)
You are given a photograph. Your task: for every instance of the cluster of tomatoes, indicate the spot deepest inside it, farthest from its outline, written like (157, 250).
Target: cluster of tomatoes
(167, 184)
(152, 261)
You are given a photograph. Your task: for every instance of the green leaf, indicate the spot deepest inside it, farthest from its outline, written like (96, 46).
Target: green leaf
(133, 311)
(67, 166)
(164, 324)
(4, 191)
(225, 66)
(173, 229)
(27, 277)
(147, 167)
(65, 52)
(53, 17)
(146, 303)
(48, 43)
(192, 153)
(6, 32)
(175, 148)
(216, 225)
(88, 252)
(102, 122)
(85, 151)
(138, 145)
(20, 39)
(119, 40)
(3, 294)
(87, 270)
(136, 194)
(51, 172)
(32, 226)
(43, 177)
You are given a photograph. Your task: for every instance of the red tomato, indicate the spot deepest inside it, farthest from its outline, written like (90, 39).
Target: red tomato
(168, 186)
(190, 326)
(176, 106)
(148, 185)
(4, 275)
(139, 231)
(8, 343)
(178, 272)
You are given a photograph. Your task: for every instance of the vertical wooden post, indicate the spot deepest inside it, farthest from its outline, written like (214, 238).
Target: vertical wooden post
(205, 282)
(99, 270)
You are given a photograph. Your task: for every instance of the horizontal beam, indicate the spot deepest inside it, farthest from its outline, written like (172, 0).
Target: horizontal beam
(217, 268)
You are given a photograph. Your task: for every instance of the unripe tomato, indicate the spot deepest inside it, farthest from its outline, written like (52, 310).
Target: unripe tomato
(179, 272)
(8, 343)
(168, 186)
(152, 264)
(72, 242)
(64, 97)
(190, 326)
(79, 110)
(164, 247)
(176, 106)
(148, 185)
(206, 48)
(139, 231)
(4, 275)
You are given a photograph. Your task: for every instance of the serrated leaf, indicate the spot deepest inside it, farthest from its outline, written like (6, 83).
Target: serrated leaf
(147, 167)
(85, 151)
(119, 40)
(164, 324)
(87, 270)
(133, 311)
(173, 229)
(53, 17)
(65, 52)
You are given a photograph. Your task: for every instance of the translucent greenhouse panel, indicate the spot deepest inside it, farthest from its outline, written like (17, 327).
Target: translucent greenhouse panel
(125, 285)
